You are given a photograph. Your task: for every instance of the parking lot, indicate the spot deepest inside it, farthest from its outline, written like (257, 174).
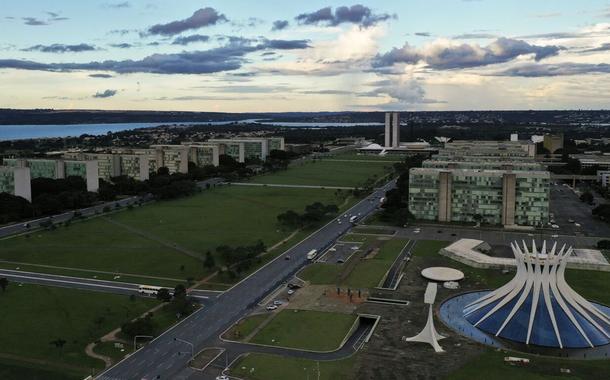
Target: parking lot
(339, 253)
(569, 212)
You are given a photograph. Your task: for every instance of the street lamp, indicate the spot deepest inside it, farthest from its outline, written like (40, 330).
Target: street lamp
(139, 336)
(190, 344)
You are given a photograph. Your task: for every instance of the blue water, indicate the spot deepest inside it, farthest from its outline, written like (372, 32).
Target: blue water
(20, 132)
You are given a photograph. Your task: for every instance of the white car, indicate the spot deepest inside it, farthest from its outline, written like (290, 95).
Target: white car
(555, 236)
(577, 224)
(554, 226)
(277, 303)
(271, 307)
(416, 231)
(290, 292)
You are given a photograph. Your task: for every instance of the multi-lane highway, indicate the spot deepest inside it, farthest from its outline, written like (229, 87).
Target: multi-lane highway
(164, 357)
(89, 284)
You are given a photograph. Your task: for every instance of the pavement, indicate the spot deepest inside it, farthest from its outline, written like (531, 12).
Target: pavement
(163, 358)
(91, 284)
(566, 204)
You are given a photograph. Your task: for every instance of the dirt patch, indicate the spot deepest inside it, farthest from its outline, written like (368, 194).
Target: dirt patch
(324, 298)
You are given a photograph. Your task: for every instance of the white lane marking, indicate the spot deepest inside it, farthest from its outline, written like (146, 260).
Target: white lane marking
(43, 279)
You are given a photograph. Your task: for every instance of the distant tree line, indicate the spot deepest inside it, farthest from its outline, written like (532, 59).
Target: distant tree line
(313, 214)
(395, 209)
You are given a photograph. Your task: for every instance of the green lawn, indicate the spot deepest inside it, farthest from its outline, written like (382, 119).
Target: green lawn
(492, 365)
(305, 329)
(366, 274)
(14, 370)
(370, 272)
(245, 327)
(327, 173)
(229, 215)
(265, 367)
(33, 316)
(353, 156)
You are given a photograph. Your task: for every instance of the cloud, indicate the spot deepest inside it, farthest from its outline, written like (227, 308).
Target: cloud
(554, 70)
(474, 36)
(326, 92)
(105, 94)
(423, 34)
(201, 18)
(444, 54)
(280, 25)
(356, 14)
(61, 48)
(185, 40)
(121, 5)
(123, 45)
(105, 76)
(33, 21)
(602, 47)
(224, 58)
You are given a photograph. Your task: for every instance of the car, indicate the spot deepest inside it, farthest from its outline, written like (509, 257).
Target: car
(571, 220)
(439, 232)
(416, 231)
(271, 307)
(554, 226)
(577, 224)
(286, 257)
(290, 292)
(278, 303)
(452, 234)
(554, 236)
(293, 286)
(339, 220)
(222, 377)
(340, 261)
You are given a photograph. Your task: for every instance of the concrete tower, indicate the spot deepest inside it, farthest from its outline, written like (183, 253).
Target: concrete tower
(395, 130)
(388, 129)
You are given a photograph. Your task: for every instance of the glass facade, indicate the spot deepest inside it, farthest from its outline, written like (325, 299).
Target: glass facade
(76, 168)
(7, 181)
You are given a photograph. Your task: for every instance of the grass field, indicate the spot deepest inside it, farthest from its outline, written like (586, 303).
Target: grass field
(305, 329)
(245, 327)
(142, 241)
(492, 365)
(366, 273)
(327, 173)
(33, 316)
(265, 367)
(11, 369)
(353, 156)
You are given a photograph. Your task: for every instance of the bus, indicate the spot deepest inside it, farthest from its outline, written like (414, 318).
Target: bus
(149, 290)
(312, 254)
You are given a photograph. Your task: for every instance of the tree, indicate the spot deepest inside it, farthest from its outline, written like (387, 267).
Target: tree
(59, 344)
(477, 218)
(179, 291)
(209, 261)
(163, 295)
(3, 283)
(603, 244)
(587, 197)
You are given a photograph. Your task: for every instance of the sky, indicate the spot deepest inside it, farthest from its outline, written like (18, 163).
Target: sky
(279, 56)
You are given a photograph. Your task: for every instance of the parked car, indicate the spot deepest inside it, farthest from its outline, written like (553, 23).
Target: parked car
(278, 303)
(271, 307)
(290, 292)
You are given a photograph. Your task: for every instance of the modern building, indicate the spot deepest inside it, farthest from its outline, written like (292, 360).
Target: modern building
(487, 181)
(110, 165)
(538, 307)
(392, 130)
(601, 161)
(553, 142)
(603, 177)
(16, 181)
(59, 168)
(242, 148)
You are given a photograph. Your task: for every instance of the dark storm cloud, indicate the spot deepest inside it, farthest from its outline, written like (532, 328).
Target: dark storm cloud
(105, 94)
(123, 45)
(61, 48)
(465, 55)
(201, 18)
(356, 14)
(104, 76)
(554, 70)
(280, 25)
(190, 39)
(422, 34)
(33, 21)
(224, 58)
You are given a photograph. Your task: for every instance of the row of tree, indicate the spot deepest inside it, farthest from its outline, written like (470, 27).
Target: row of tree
(395, 208)
(313, 214)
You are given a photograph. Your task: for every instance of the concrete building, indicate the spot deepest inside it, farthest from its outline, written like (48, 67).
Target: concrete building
(113, 165)
(498, 181)
(58, 169)
(392, 130)
(603, 177)
(553, 142)
(16, 181)
(590, 160)
(243, 148)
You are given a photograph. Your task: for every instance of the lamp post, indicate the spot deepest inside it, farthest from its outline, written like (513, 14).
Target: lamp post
(139, 336)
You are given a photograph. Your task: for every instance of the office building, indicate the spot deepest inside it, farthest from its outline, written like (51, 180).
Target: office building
(603, 177)
(601, 161)
(491, 182)
(392, 130)
(58, 169)
(16, 181)
(110, 165)
(242, 148)
(553, 142)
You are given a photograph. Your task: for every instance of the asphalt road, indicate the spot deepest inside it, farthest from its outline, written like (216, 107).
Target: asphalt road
(565, 205)
(89, 284)
(164, 357)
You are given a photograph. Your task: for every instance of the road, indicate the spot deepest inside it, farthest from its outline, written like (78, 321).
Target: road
(163, 358)
(565, 205)
(89, 284)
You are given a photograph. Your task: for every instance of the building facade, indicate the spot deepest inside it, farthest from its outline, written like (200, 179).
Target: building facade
(58, 169)
(16, 181)
(244, 148)
(553, 142)
(457, 187)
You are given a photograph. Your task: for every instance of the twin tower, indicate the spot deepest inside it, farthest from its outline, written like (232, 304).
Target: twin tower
(392, 130)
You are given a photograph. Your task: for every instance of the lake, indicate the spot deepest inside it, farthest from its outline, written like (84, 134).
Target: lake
(20, 132)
